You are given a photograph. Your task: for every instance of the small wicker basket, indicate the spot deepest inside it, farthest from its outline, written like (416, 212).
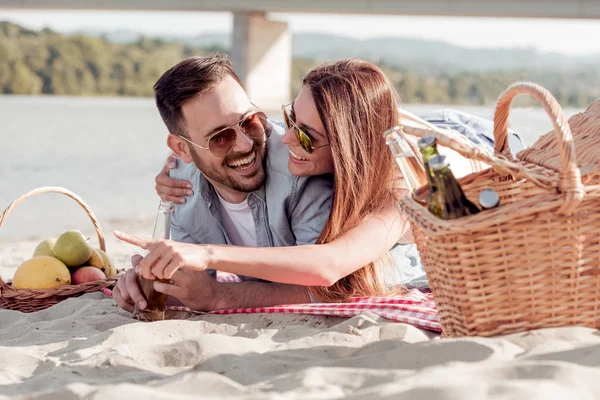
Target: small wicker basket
(30, 300)
(533, 262)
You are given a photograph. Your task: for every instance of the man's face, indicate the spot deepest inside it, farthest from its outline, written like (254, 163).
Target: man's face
(241, 170)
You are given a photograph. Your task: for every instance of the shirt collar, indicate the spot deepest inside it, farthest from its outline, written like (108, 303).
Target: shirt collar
(208, 193)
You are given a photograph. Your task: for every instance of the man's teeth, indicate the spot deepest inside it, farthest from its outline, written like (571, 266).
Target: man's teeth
(297, 157)
(243, 161)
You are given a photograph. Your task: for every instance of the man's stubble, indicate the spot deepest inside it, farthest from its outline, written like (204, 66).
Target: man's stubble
(220, 176)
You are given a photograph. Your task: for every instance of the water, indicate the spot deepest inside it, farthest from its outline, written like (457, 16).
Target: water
(108, 151)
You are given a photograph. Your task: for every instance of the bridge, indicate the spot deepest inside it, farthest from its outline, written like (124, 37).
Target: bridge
(261, 48)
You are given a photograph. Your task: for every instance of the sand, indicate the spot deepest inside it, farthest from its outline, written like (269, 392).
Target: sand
(87, 348)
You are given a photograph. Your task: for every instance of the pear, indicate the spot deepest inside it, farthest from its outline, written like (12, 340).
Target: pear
(45, 248)
(72, 248)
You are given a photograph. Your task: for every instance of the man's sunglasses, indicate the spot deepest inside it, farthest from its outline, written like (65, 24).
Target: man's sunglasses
(304, 139)
(221, 143)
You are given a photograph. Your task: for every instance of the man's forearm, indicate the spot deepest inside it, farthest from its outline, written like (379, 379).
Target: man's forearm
(259, 294)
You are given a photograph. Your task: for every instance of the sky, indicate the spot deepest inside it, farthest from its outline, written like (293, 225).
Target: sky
(550, 35)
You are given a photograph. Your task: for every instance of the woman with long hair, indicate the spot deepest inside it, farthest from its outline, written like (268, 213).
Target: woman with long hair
(352, 103)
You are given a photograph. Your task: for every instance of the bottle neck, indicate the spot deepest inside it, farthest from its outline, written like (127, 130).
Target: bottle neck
(429, 152)
(162, 227)
(166, 206)
(411, 169)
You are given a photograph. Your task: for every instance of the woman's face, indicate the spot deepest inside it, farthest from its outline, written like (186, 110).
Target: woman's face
(306, 117)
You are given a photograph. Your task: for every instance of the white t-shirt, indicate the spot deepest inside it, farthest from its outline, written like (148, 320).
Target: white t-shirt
(238, 223)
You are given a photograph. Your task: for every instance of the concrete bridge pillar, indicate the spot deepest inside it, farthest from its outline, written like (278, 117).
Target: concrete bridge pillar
(262, 57)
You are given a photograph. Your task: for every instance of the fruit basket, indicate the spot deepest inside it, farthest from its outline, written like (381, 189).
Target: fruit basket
(30, 300)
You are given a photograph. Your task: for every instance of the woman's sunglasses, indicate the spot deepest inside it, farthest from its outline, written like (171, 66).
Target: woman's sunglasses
(221, 143)
(304, 139)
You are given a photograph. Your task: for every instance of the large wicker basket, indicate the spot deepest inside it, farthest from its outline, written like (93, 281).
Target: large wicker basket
(27, 300)
(533, 262)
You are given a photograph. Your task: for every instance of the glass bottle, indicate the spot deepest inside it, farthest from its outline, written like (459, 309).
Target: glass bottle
(428, 147)
(412, 171)
(156, 301)
(454, 203)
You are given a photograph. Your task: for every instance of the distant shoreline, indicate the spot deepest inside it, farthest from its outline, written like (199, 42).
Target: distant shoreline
(110, 100)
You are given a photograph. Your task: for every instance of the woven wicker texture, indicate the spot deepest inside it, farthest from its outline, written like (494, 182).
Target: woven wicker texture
(28, 300)
(533, 262)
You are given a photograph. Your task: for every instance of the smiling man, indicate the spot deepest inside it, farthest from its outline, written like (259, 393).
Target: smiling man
(237, 165)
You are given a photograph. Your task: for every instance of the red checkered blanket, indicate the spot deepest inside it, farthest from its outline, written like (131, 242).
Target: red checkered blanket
(414, 308)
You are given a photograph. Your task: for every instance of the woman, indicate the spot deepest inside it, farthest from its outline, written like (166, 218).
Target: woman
(335, 126)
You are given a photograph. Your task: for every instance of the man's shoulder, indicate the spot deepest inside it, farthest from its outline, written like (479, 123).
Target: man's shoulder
(277, 153)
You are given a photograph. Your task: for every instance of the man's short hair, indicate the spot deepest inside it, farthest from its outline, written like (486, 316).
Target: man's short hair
(186, 80)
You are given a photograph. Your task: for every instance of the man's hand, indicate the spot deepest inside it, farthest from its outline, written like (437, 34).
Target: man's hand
(195, 289)
(170, 189)
(127, 292)
(198, 291)
(165, 257)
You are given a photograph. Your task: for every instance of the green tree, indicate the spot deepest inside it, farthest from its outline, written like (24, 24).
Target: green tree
(52, 63)
(23, 80)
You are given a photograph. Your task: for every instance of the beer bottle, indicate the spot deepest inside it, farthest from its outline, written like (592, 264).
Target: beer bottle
(412, 171)
(428, 147)
(156, 301)
(488, 198)
(453, 202)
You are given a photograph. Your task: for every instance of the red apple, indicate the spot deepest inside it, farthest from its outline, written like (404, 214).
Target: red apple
(87, 274)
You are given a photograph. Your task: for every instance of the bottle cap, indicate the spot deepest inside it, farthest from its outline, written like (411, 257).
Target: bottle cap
(395, 129)
(488, 198)
(426, 141)
(438, 162)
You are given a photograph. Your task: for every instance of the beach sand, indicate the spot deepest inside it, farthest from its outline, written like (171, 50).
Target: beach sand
(87, 348)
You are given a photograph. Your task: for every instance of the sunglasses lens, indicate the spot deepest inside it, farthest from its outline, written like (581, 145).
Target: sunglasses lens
(286, 119)
(222, 143)
(254, 126)
(304, 140)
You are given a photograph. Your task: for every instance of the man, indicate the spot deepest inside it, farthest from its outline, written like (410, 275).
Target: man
(247, 196)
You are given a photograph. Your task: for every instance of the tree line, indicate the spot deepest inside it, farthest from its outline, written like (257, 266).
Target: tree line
(47, 62)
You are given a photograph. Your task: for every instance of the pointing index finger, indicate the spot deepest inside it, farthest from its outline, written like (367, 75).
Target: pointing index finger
(144, 243)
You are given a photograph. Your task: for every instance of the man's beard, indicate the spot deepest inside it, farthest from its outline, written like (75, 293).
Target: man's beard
(219, 174)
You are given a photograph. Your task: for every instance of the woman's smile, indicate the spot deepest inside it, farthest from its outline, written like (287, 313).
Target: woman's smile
(296, 158)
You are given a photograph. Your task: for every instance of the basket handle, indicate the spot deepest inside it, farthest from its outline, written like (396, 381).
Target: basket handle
(464, 147)
(570, 174)
(66, 192)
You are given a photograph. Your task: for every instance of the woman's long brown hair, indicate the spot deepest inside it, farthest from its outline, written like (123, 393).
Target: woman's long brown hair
(356, 104)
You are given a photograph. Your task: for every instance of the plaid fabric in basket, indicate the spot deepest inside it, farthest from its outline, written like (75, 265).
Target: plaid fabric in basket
(414, 308)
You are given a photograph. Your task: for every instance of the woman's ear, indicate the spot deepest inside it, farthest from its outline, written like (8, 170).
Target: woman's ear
(180, 148)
